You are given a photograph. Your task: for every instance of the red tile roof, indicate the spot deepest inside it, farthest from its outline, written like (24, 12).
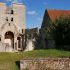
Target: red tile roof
(57, 13)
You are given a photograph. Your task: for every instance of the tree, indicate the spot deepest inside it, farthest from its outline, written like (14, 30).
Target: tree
(61, 32)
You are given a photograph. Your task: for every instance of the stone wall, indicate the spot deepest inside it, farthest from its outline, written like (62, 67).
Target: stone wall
(5, 47)
(45, 64)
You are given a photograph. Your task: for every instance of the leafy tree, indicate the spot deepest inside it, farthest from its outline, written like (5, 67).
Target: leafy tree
(61, 32)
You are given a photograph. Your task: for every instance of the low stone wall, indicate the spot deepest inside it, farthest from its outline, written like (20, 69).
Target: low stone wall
(45, 64)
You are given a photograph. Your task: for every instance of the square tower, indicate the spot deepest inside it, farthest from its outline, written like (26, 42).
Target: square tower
(12, 24)
(2, 13)
(19, 16)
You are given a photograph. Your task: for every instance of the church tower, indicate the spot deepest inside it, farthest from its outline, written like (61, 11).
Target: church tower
(19, 18)
(12, 25)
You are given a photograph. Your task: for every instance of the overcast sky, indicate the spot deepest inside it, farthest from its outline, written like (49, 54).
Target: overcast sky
(35, 9)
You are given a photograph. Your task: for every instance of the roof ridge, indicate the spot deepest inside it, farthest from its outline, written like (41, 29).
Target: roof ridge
(56, 10)
(53, 14)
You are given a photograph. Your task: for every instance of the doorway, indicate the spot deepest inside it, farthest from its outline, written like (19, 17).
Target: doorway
(9, 38)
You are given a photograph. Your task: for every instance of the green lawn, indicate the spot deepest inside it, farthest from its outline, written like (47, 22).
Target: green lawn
(8, 60)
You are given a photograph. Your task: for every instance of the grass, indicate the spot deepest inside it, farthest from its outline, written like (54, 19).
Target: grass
(8, 60)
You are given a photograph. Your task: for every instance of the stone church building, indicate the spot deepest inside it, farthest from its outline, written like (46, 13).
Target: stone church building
(12, 26)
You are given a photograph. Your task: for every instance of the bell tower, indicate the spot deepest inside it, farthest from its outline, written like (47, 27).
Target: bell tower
(19, 16)
(12, 19)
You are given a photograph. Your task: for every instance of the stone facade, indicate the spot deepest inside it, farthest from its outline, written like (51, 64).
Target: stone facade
(12, 25)
(45, 64)
(31, 38)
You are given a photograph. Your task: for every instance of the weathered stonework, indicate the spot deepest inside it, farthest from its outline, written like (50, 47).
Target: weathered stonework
(12, 24)
(45, 64)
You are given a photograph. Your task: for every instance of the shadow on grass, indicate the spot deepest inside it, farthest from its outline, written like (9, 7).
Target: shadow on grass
(18, 64)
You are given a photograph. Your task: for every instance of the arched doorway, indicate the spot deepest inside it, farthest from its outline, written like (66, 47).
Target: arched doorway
(9, 38)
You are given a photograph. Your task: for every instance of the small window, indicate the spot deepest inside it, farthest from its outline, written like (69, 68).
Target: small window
(0, 38)
(12, 12)
(11, 19)
(18, 38)
(22, 30)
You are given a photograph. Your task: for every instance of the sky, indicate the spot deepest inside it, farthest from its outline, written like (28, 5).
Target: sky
(35, 9)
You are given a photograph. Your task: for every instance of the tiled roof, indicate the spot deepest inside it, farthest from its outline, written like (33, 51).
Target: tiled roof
(53, 14)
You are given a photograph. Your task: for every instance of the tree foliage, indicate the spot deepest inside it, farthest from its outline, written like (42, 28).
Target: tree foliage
(61, 32)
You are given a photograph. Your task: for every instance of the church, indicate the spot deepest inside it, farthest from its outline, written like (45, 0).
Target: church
(12, 27)
(50, 16)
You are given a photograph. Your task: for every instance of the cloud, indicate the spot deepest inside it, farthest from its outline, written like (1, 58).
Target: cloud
(9, 0)
(32, 12)
(15, 1)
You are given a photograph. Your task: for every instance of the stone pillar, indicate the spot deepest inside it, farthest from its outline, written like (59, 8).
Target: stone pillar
(17, 44)
(21, 43)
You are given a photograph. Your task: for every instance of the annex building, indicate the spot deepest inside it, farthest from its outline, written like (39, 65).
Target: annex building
(50, 16)
(12, 26)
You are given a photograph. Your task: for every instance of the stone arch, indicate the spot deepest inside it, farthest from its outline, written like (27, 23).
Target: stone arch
(9, 38)
(13, 28)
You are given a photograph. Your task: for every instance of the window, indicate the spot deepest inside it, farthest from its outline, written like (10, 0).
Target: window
(0, 38)
(22, 30)
(12, 12)
(11, 19)
(18, 38)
